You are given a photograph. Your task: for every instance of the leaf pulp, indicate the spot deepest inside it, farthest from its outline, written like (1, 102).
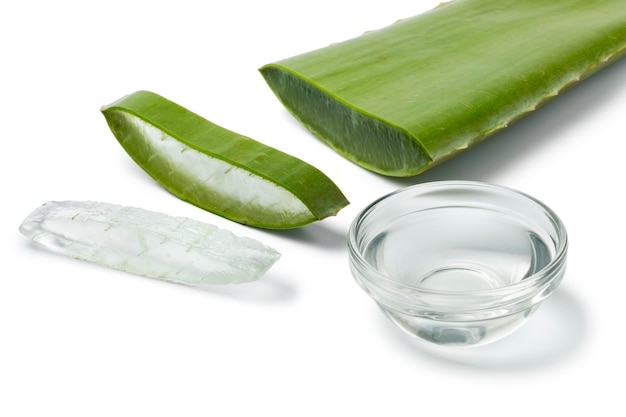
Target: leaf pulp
(148, 243)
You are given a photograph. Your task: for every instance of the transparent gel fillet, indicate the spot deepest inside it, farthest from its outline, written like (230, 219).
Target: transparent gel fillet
(148, 243)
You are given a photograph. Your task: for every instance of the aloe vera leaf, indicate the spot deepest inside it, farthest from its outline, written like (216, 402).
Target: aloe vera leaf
(148, 243)
(408, 96)
(219, 170)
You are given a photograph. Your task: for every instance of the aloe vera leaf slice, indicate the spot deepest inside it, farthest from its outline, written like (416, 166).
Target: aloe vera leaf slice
(408, 96)
(219, 170)
(148, 243)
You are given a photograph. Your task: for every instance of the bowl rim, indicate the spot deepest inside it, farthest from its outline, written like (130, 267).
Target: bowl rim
(532, 283)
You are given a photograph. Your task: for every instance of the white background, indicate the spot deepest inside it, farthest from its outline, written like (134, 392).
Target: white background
(77, 339)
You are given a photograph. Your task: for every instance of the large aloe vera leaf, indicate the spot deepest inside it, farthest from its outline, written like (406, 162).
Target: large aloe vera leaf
(219, 170)
(403, 98)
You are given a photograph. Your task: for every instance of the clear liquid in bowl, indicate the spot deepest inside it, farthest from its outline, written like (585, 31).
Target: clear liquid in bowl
(459, 249)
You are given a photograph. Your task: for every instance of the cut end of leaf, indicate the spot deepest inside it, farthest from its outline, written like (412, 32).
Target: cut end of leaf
(363, 138)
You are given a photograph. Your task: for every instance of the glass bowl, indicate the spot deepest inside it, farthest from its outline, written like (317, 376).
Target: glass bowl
(458, 263)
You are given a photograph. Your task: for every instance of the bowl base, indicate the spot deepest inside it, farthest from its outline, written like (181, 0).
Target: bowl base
(459, 334)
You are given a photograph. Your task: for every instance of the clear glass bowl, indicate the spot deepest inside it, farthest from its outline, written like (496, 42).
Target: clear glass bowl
(457, 262)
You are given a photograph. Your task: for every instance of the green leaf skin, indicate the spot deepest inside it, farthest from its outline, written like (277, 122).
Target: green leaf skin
(408, 96)
(136, 117)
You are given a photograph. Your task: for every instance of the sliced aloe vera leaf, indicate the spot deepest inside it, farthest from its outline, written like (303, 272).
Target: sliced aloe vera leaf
(148, 243)
(219, 170)
(408, 96)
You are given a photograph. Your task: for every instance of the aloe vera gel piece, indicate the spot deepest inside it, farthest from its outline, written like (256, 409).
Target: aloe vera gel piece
(219, 170)
(408, 96)
(148, 243)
